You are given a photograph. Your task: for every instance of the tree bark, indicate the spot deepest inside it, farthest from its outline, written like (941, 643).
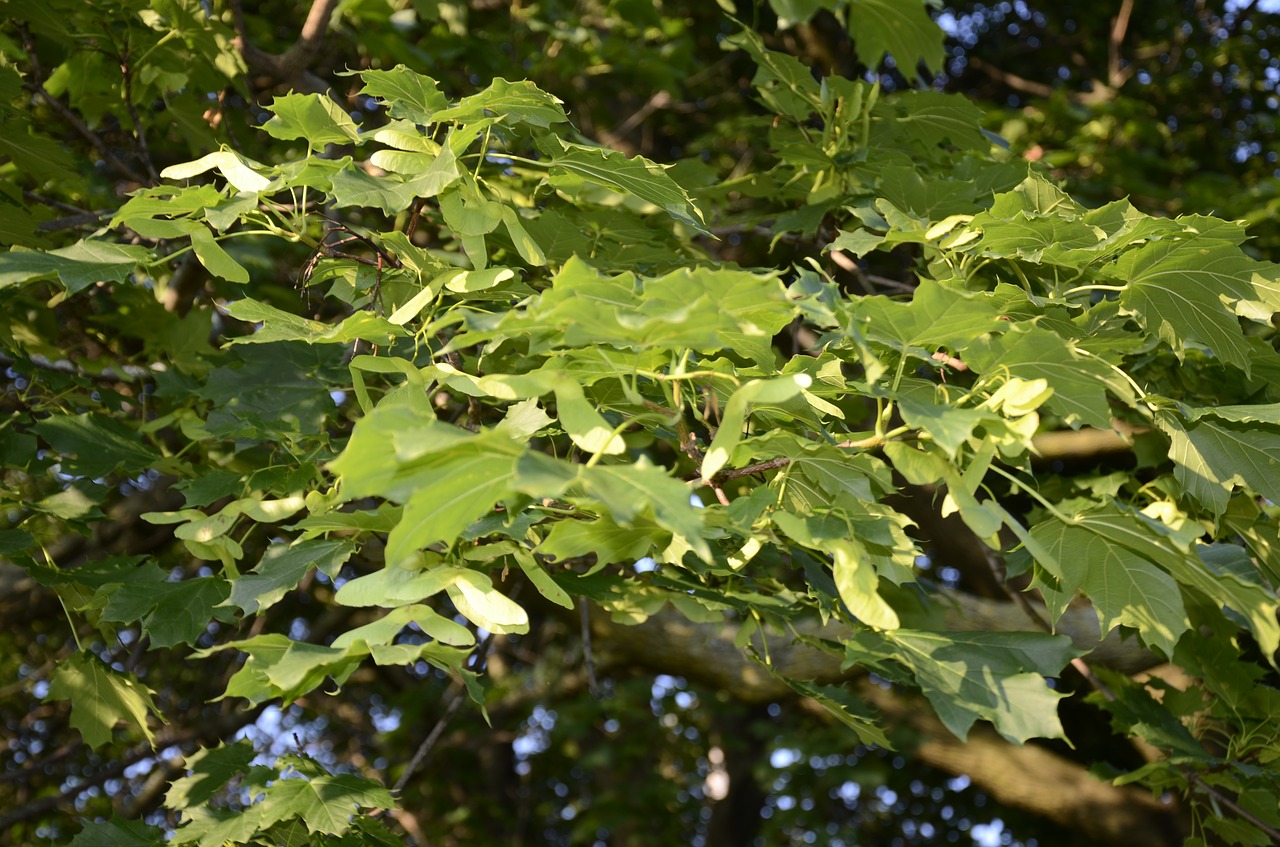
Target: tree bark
(1033, 778)
(1028, 777)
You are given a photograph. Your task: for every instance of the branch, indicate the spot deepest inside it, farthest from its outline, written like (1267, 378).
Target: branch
(139, 131)
(108, 375)
(209, 731)
(1028, 777)
(1033, 778)
(1116, 75)
(708, 651)
(1196, 782)
(1012, 80)
(36, 86)
(291, 66)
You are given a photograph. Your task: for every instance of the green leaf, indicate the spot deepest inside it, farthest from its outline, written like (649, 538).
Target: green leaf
(606, 539)
(627, 490)
(37, 156)
(353, 186)
(170, 612)
(734, 417)
(786, 85)
(1125, 588)
(1215, 458)
(855, 576)
(392, 452)
(462, 487)
(1136, 713)
(846, 708)
(385, 630)
(512, 102)
(904, 30)
(313, 117)
(431, 174)
(1079, 383)
(216, 260)
(406, 94)
(949, 427)
(279, 325)
(101, 698)
(1250, 600)
(930, 118)
(280, 570)
(706, 309)
(479, 602)
(524, 244)
(96, 444)
(637, 177)
(214, 827)
(970, 676)
(523, 420)
(1176, 290)
(118, 833)
(586, 427)
(468, 213)
(395, 586)
(324, 803)
(281, 667)
(541, 580)
(210, 770)
(937, 316)
(78, 266)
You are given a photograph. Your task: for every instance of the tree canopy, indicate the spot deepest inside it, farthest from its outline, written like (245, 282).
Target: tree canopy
(614, 422)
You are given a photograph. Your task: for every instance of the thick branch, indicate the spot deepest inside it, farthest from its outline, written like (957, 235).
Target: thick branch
(291, 66)
(1033, 778)
(1116, 75)
(708, 651)
(1028, 777)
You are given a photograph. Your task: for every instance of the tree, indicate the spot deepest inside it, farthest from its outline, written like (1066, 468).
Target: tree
(386, 462)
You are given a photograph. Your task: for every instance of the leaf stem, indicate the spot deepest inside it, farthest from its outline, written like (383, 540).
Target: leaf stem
(676, 377)
(1035, 495)
(1079, 289)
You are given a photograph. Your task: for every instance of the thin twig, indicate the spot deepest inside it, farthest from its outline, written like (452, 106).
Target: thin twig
(127, 373)
(415, 212)
(1081, 666)
(53, 203)
(1115, 74)
(36, 86)
(1012, 80)
(758, 467)
(138, 131)
(454, 698)
(72, 221)
(588, 655)
(1195, 781)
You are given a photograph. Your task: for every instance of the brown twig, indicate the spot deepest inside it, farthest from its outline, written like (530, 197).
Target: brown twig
(139, 132)
(291, 66)
(1081, 666)
(454, 698)
(36, 86)
(1012, 80)
(1116, 75)
(71, 221)
(1195, 781)
(588, 655)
